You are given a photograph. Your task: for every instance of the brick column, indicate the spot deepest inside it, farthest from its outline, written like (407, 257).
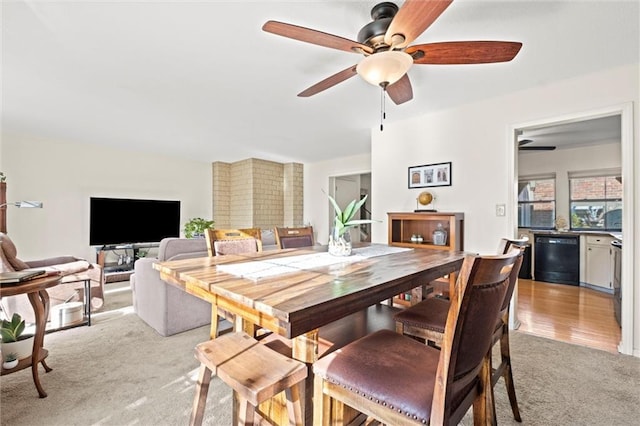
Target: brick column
(257, 193)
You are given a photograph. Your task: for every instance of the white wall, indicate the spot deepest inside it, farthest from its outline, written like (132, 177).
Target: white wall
(563, 161)
(316, 188)
(472, 138)
(64, 175)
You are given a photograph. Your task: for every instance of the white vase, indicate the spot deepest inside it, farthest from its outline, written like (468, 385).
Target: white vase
(339, 245)
(22, 348)
(8, 365)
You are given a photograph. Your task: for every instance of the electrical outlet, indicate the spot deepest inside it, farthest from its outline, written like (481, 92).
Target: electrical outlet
(500, 209)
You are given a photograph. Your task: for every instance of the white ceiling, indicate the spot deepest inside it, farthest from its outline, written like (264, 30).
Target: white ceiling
(596, 131)
(200, 80)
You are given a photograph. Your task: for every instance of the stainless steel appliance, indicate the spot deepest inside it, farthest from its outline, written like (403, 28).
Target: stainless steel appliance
(616, 248)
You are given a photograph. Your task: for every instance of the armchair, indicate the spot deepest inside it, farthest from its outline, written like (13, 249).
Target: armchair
(73, 269)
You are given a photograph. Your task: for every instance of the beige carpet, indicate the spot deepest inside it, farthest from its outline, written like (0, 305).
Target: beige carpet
(121, 372)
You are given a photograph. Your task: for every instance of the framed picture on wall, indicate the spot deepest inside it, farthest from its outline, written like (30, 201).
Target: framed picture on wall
(428, 175)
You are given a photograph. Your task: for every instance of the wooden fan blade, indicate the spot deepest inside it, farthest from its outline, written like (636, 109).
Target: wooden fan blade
(464, 52)
(329, 82)
(315, 37)
(400, 91)
(413, 18)
(524, 142)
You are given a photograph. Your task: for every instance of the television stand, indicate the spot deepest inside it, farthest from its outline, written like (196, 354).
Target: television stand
(117, 260)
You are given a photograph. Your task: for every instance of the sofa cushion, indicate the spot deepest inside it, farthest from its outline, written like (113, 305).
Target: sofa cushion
(170, 247)
(11, 253)
(268, 237)
(189, 255)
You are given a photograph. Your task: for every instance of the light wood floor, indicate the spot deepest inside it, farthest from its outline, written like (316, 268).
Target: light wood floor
(567, 313)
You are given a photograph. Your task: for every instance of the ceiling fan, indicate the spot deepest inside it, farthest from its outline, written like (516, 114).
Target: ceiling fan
(523, 142)
(385, 44)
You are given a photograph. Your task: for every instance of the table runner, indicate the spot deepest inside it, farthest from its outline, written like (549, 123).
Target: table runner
(266, 268)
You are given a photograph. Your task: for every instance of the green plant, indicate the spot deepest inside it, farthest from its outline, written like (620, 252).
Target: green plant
(11, 331)
(197, 226)
(344, 218)
(2, 177)
(11, 357)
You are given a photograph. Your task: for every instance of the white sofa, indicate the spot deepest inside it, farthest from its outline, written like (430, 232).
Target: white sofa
(166, 308)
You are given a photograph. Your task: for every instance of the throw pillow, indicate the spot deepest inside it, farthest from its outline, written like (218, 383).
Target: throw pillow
(11, 253)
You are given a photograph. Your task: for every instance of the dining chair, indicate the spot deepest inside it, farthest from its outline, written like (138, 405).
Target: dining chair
(437, 386)
(233, 241)
(427, 320)
(294, 237)
(230, 241)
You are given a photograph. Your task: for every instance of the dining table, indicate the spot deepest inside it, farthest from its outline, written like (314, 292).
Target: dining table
(295, 292)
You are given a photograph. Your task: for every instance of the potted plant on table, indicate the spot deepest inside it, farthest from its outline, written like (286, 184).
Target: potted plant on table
(340, 239)
(13, 339)
(196, 226)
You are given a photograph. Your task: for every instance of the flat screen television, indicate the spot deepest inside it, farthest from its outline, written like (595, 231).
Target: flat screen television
(115, 221)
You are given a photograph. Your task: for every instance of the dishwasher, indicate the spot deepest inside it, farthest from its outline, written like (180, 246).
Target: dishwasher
(557, 259)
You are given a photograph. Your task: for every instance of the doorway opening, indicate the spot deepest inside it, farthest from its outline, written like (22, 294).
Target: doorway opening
(345, 189)
(580, 123)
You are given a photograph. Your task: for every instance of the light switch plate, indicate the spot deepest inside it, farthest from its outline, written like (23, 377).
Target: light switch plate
(500, 209)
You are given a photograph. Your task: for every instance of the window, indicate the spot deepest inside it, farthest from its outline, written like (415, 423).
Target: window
(596, 200)
(537, 201)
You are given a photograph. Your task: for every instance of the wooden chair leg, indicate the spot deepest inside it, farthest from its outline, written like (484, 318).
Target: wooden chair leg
(321, 404)
(200, 400)
(508, 375)
(294, 404)
(483, 404)
(246, 412)
(214, 322)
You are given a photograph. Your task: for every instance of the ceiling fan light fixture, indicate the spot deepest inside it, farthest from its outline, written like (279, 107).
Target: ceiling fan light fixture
(384, 68)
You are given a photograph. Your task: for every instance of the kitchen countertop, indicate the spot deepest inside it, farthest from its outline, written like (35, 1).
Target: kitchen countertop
(616, 235)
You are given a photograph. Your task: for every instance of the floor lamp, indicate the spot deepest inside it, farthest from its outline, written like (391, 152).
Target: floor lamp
(20, 205)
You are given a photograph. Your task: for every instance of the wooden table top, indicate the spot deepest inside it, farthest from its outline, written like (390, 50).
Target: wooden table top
(306, 299)
(29, 286)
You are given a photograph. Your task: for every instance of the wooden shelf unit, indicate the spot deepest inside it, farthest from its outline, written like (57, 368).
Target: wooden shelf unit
(403, 225)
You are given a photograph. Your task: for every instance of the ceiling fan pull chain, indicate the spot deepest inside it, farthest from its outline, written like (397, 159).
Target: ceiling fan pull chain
(383, 113)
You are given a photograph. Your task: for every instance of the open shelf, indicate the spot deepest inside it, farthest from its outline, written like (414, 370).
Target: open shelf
(402, 226)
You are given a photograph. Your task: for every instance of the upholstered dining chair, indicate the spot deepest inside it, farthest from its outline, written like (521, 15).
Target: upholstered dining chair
(233, 241)
(294, 237)
(427, 320)
(230, 241)
(415, 383)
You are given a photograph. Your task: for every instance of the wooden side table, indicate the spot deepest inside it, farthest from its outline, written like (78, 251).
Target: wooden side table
(36, 290)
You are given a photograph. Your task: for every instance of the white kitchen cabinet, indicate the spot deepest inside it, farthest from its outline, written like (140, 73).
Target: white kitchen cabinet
(598, 261)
